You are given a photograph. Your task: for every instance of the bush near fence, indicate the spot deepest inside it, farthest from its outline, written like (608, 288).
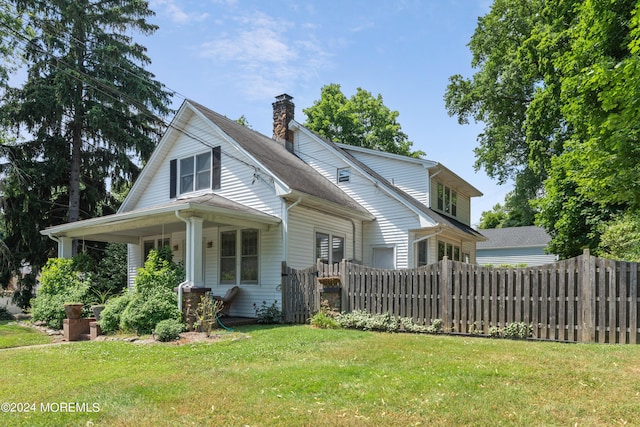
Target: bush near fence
(582, 299)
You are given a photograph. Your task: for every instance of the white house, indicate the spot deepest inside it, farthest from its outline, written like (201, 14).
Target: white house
(234, 204)
(515, 246)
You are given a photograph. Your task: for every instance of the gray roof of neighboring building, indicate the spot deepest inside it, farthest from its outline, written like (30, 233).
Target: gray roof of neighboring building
(514, 237)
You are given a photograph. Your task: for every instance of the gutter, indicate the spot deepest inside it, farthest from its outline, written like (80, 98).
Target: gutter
(285, 227)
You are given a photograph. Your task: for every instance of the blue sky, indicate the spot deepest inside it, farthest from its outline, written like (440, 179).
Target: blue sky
(235, 56)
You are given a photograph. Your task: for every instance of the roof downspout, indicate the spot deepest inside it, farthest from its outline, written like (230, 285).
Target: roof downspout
(187, 280)
(285, 228)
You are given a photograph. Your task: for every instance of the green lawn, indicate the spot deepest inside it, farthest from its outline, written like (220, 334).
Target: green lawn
(13, 335)
(297, 375)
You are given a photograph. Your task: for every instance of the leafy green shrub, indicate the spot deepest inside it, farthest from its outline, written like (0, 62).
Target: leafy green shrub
(151, 301)
(515, 330)
(268, 314)
(158, 271)
(112, 313)
(60, 283)
(620, 238)
(5, 315)
(359, 319)
(168, 330)
(148, 308)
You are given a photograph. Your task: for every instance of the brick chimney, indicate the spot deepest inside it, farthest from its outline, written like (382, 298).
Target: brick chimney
(283, 111)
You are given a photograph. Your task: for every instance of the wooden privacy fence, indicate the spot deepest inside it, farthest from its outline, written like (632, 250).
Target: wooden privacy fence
(582, 299)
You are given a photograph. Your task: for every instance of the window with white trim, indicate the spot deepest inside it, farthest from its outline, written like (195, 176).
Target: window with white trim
(329, 248)
(447, 200)
(423, 252)
(154, 243)
(449, 250)
(239, 251)
(344, 175)
(195, 173)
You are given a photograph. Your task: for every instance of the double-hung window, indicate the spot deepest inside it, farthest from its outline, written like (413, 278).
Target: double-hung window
(149, 245)
(329, 248)
(239, 256)
(447, 200)
(449, 250)
(195, 173)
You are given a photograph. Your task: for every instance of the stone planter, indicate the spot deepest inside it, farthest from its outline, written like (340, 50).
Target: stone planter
(97, 309)
(74, 310)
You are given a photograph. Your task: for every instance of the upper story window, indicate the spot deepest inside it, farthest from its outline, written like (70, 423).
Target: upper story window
(194, 173)
(344, 174)
(447, 200)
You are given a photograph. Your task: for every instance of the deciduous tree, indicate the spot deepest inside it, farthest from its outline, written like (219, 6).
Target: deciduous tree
(362, 120)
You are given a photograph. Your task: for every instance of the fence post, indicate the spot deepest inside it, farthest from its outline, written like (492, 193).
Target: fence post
(286, 293)
(445, 294)
(343, 286)
(586, 299)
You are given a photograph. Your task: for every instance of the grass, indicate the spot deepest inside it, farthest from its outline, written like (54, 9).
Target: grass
(13, 335)
(297, 375)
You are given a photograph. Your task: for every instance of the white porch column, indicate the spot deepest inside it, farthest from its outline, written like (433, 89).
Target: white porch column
(194, 250)
(65, 247)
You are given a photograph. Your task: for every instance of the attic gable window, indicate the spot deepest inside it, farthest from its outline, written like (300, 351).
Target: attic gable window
(195, 173)
(447, 200)
(344, 174)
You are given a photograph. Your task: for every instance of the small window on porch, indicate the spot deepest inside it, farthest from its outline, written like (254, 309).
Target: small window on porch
(156, 244)
(423, 253)
(449, 250)
(246, 265)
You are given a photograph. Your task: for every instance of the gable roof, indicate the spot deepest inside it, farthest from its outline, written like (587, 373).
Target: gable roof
(514, 237)
(409, 200)
(301, 178)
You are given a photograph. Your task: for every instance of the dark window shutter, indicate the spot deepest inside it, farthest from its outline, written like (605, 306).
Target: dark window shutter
(173, 178)
(216, 169)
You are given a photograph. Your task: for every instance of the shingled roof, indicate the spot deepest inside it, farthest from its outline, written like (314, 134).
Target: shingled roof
(288, 167)
(514, 237)
(437, 217)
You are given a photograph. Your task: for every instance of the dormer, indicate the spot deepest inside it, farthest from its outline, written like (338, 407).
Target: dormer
(450, 194)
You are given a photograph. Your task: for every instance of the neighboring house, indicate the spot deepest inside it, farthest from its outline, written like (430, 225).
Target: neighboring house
(234, 204)
(514, 245)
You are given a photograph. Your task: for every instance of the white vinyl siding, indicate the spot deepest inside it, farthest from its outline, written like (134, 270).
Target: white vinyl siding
(393, 219)
(240, 182)
(305, 223)
(411, 177)
(134, 262)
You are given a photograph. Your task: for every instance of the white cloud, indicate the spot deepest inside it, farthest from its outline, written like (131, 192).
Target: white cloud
(265, 55)
(176, 13)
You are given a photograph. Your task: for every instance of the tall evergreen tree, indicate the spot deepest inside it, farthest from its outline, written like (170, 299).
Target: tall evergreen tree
(89, 108)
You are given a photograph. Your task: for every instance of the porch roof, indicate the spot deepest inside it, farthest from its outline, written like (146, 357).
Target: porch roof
(128, 227)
